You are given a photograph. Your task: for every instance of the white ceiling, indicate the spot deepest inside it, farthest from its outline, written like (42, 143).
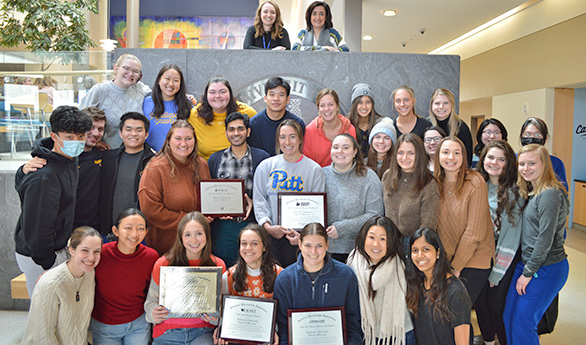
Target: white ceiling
(443, 21)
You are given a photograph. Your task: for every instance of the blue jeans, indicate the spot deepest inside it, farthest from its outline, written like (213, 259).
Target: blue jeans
(186, 336)
(137, 332)
(522, 313)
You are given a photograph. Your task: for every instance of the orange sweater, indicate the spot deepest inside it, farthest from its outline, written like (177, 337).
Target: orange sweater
(254, 284)
(464, 224)
(165, 200)
(317, 146)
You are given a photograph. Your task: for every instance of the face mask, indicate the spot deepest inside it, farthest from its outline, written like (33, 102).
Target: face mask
(527, 141)
(72, 148)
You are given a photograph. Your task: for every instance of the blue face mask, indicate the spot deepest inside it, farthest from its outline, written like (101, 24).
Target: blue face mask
(72, 148)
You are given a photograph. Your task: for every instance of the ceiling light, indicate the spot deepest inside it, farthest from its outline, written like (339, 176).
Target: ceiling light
(389, 13)
(367, 37)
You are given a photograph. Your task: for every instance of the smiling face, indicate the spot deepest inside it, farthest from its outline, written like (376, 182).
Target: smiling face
(424, 256)
(495, 162)
(130, 232)
(194, 240)
(328, 108)
(441, 107)
(364, 106)
(491, 133)
(382, 143)
(170, 83)
(94, 135)
(313, 250)
(375, 244)
(182, 143)
(404, 102)
(318, 17)
(530, 166)
(268, 15)
(450, 156)
(289, 142)
(251, 249)
(277, 100)
(127, 73)
(86, 256)
(237, 133)
(218, 97)
(431, 141)
(343, 153)
(133, 135)
(406, 157)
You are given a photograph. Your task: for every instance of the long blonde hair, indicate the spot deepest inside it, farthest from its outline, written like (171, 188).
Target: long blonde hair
(277, 29)
(410, 91)
(453, 118)
(547, 179)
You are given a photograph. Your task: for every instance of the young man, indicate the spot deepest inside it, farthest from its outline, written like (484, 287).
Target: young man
(48, 195)
(239, 161)
(264, 125)
(122, 169)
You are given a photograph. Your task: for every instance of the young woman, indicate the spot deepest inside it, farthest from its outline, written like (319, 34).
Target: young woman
(411, 194)
(379, 264)
(431, 139)
(403, 99)
(438, 299)
(290, 171)
(354, 195)
(169, 185)
(61, 305)
(463, 218)
(123, 94)
(316, 280)
(192, 247)
(208, 117)
(442, 113)
(489, 130)
(321, 131)
(118, 315)
(534, 131)
(362, 115)
(543, 271)
(319, 33)
(167, 104)
(382, 138)
(499, 170)
(267, 31)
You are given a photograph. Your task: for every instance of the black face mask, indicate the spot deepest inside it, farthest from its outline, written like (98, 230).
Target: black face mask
(527, 141)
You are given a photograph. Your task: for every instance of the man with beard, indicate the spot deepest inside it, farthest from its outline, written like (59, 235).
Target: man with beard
(239, 161)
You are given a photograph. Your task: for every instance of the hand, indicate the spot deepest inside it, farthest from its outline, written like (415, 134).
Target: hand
(248, 206)
(217, 339)
(332, 232)
(33, 165)
(102, 146)
(456, 273)
(191, 98)
(210, 319)
(160, 314)
(279, 48)
(276, 231)
(491, 284)
(293, 237)
(276, 339)
(209, 219)
(329, 48)
(522, 283)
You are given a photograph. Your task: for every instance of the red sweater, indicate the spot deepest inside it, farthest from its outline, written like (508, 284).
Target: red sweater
(122, 282)
(315, 143)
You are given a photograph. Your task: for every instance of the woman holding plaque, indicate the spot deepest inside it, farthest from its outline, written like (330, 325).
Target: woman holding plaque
(317, 281)
(192, 247)
(354, 195)
(169, 185)
(379, 264)
(290, 171)
(438, 299)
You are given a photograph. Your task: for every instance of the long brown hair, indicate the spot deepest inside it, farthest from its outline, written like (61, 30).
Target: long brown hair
(276, 30)
(177, 255)
(192, 159)
(354, 118)
(421, 174)
(440, 174)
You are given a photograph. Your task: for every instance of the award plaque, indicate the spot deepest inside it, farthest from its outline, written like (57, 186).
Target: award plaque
(190, 291)
(323, 326)
(248, 320)
(219, 198)
(299, 209)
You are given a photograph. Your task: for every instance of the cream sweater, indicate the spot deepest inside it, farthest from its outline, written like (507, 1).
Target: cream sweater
(55, 318)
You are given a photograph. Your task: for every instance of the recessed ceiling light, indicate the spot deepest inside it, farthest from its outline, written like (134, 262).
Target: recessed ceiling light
(389, 13)
(367, 37)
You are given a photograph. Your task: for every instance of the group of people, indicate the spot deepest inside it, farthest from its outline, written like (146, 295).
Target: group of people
(414, 237)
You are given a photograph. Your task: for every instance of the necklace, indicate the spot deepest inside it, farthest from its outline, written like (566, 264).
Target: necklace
(77, 288)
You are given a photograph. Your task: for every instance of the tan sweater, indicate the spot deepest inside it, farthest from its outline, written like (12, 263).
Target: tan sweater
(464, 224)
(165, 200)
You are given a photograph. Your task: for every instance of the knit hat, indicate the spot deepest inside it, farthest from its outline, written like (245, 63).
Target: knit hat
(361, 89)
(385, 126)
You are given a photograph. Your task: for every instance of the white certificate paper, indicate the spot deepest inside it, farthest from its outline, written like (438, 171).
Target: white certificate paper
(248, 319)
(296, 210)
(323, 327)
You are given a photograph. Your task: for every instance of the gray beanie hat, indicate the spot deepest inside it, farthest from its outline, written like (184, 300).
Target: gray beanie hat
(360, 90)
(385, 126)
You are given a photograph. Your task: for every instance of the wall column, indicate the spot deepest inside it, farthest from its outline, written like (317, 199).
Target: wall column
(132, 23)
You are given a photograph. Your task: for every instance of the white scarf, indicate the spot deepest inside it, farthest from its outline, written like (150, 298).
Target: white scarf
(388, 280)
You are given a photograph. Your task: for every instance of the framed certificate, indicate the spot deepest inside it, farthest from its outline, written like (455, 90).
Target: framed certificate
(323, 326)
(299, 209)
(220, 198)
(190, 291)
(248, 320)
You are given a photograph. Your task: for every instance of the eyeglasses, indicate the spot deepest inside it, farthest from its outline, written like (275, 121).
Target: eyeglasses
(128, 70)
(430, 139)
(488, 133)
(532, 135)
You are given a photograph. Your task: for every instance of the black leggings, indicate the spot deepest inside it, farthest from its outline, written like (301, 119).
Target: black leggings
(474, 280)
